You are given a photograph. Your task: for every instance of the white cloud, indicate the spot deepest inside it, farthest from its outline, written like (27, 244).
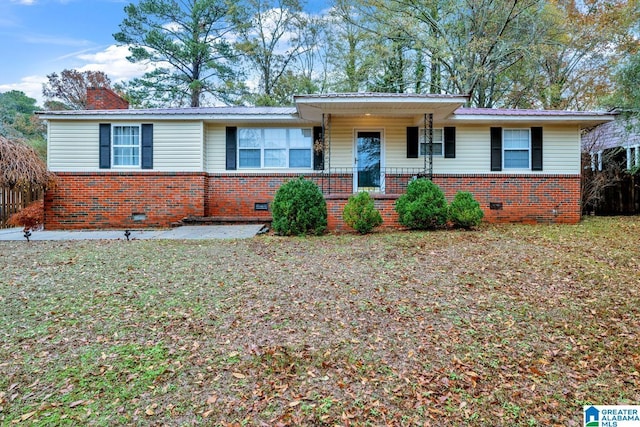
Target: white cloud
(30, 85)
(113, 62)
(24, 2)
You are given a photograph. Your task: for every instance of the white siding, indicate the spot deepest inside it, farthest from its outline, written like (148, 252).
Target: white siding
(215, 146)
(561, 146)
(193, 146)
(74, 146)
(177, 146)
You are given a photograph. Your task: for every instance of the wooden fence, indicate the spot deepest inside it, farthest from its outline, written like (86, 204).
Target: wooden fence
(14, 199)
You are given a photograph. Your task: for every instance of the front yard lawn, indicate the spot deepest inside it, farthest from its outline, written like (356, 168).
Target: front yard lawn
(508, 325)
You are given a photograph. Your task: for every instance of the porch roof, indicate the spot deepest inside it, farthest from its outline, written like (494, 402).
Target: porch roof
(311, 107)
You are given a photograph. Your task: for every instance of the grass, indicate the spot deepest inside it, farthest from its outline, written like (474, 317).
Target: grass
(507, 325)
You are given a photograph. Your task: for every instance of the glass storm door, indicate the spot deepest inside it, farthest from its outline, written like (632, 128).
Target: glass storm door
(368, 162)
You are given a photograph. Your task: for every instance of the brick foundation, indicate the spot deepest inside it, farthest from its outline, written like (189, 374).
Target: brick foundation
(109, 199)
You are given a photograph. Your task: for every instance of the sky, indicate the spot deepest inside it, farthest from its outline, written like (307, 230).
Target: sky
(40, 37)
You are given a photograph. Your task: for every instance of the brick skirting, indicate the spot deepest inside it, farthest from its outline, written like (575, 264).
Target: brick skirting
(85, 200)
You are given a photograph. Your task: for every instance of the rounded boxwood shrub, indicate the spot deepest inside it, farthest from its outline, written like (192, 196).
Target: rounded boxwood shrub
(299, 208)
(423, 206)
(464, 210)
(360, 213)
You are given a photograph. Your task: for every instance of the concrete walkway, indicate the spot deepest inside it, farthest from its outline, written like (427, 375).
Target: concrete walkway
(185, 232)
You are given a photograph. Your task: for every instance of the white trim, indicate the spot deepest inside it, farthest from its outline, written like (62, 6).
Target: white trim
(262, 149)
(112, 146)
(355, 156)
(530, 118)
(504, 164)
(420, 139)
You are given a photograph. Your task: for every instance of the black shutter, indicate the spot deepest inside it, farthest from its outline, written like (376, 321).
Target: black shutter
(105, 145)
(496, 149)
(450, 142)
(412, 143)
(536, 148)
(147, 146)
(232, 144)
(318, 156)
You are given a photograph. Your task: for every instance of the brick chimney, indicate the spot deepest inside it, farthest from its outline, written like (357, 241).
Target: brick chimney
(102, 98)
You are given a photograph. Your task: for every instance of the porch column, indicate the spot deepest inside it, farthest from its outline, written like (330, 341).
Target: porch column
(600, 160)
(636, 149)
(628, 158)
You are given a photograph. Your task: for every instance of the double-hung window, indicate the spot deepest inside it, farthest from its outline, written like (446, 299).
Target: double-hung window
(516, 148)
(437, 142)
(126, 145)
(274, 148)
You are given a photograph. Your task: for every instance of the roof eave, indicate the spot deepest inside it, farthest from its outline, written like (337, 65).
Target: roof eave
(175, 117)
(588, 120)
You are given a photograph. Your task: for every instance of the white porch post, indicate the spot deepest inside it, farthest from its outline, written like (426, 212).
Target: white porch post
(628, 158)
(636, 149)
(600, 160)
(593, 161)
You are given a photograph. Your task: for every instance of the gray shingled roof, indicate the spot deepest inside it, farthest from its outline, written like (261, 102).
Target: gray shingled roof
(188, 111)
(619, 133)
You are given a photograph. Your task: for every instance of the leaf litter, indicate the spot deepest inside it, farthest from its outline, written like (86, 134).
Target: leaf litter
(507, 325)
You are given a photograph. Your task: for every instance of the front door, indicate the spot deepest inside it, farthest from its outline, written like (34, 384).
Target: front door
(367, 176)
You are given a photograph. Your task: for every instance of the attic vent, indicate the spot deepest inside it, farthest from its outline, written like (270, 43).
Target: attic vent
(495, 206)
(261, 206)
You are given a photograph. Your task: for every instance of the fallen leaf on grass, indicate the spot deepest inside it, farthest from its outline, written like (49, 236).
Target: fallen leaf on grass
(212, 399)
(28, 415)
(76, 403)
(239, 375)
(294, 403)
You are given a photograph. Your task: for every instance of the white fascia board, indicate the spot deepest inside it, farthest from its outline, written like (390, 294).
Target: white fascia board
(489, 118)
(176, 117)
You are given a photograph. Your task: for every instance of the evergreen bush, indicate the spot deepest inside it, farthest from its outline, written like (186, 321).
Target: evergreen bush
(360, 213)
(464, 210)
(299, 208)
(423, 206)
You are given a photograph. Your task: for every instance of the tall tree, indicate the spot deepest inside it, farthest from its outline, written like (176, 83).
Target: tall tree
(457, 46)
(17, 120)
(274, 36)
(187, 43)
(626, 95)
(349, 46)
(583, 44)
(68, 90)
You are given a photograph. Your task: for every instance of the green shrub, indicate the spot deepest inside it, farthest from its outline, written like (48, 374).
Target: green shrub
(464, 210)
(360, 213)
(423, 206)
(299, 208)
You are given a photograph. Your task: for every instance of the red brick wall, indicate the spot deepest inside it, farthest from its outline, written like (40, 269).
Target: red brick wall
(109, 199)
(525, 198)
(101, 98)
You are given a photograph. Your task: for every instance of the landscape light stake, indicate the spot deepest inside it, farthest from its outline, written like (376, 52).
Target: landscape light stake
(27, 234)
(127, 233)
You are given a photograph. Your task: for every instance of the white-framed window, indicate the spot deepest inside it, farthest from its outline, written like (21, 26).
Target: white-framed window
(125, 143)
(516, 148)
(275, 148)
(438, 142)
